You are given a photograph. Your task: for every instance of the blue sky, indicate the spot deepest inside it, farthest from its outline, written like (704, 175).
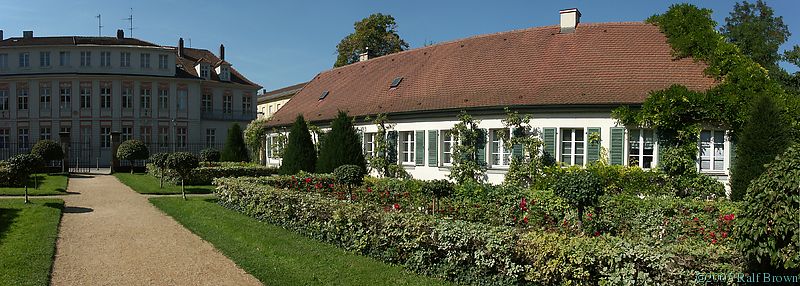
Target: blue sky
(279, 43)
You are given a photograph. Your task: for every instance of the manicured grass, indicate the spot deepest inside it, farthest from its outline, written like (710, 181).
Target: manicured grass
(48, 184)
(27, 240)
(147, 184)
(277, 256)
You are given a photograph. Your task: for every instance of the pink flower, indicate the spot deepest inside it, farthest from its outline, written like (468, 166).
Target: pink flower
(331, 186)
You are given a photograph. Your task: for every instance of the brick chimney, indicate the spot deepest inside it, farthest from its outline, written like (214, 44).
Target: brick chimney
(27, 34)
(180, 47)
(222, 52)
(569, 20)
(1, 35)
(120, 34)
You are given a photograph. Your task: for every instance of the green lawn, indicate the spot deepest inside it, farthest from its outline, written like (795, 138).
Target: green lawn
(277, 256)
(147, 184)
(48, 184)
(27, 240)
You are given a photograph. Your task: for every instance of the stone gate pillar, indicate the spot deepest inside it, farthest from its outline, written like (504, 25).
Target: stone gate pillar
(64, 138)
(115, 141)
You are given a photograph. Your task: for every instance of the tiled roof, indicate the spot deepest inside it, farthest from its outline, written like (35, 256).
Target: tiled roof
(192, 56)
(281, 92)
(74, 40)
(598, 64)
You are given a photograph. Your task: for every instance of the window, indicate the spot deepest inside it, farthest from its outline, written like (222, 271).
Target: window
(64, 130)
(86, 97)
(207, 103)
(182, 95)
(270, 111)
(44, 98)
(127, 97)
(125, 59)
(105, 59)
(247, 104)
(66, 97)
(105, 97)
(24, 60)
(181, 137)
(44, 133)
(500, 155)
(712, 150)
(407, 146)
(63, 59)
(211, 137)
(163, 99)
(144, 61)
(572, 146)
(44, 59)
(147, 134)
(369, 144)
(3, 61)
(22, 138)
(227, 103)
(86, 135)
(163, 136)
(127, 134)
(163, 61)
(145, 103)
(86, 59)
(3, 99)
(641, 148)
(204, 71)
(4, 138)
(105, 137)
(448, 142)
(22, 98)
(224, 73)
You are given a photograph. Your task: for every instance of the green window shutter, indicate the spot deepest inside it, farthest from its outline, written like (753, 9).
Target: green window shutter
(391, 141)
(481, 156)
(593, 150)
(549, 135)
(516, 151)
(732, 154)
(433, 150)
(419, 148)
(616, 154)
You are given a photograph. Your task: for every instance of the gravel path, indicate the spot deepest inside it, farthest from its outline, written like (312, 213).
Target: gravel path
(110, 235)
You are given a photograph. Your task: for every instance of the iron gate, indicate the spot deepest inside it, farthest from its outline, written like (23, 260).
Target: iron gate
(82, 158)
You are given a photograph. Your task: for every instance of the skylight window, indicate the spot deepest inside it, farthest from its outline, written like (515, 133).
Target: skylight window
(324, 94)
(396, 82)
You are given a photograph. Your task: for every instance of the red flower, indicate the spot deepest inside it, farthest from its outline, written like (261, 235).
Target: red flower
(728, 217)
(525, 220)
(523, 205)
(712, 235)
(596, 233)
(724, 234)
(369, 190)
(331, 186)
(695, 218)
(396, 206)
(308, 180)
(713, 241)
(318, 185)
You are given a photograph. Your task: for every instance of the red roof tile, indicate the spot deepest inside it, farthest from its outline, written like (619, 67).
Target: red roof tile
(608, 64)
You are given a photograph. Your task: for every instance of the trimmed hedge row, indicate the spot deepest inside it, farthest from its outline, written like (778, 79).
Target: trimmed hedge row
(475, 253)
(205, 175)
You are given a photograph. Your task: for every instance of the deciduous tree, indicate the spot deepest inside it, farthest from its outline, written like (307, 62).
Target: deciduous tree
(378, 32)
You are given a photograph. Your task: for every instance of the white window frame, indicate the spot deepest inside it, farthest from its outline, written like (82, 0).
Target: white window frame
(496, 140)
(22, 99)
(641, 141)
(3, 99)
(713, 158)
(45, 98)
(44, 59)
(105, 59)
(207, 102)
(205, 71)
(105, 137)
(105, 97)
(86, 58)
(247, 104)
(369, 144)
(44, 133)
(126, 134)
(144, 60)
(227, 103)
(573, 131)
(86, 98)
(5, 138)
(24, 60)
(125, 59)
(163, 99)
(127, 98)
(65, 97)
(211, 137)
(145, 100)
(181, 136)
(163, 62)
(406, 144)
(146, 134)
(446, 138)
(23, 138)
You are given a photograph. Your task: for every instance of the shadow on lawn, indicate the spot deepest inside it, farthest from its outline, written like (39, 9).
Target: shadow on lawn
(7, 217)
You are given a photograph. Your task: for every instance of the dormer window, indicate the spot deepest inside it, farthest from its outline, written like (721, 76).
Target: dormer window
(205, 71)
(224, 72)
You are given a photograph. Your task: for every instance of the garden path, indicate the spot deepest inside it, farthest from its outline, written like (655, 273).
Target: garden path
(110, 235)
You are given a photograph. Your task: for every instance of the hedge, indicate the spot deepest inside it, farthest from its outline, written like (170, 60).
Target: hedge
(475, 253)
(205, 175)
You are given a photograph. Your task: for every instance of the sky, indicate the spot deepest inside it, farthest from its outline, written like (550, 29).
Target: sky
(280, 43)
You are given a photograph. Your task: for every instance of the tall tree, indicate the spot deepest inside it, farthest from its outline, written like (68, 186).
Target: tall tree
(342, 146)
(758, 32)
(234, 150)
(378, 32)
(300, 154)
(764, 136)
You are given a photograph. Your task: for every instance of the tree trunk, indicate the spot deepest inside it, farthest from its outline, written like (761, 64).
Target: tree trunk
(26, 195)
(183, 190)
(161, 179)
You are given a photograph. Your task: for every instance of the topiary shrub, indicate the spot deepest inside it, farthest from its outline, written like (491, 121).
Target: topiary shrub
(159, 160)
(235, 150)
(768, 223)
(580, 188)
(49, 150)
(438, 189)
(342, 146)
(132, 150)
(209, 155)
(21, 166)
(350, 176)
(182, 163)
(300, 154)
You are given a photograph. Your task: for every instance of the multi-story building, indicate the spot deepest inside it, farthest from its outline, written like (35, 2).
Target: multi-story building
(173, 98)
(270, 101)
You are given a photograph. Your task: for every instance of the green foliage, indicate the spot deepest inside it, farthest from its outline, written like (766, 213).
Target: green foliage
(49, 150)
(300, 154)
(380, 161)
(235, 149)
(766, 135)
(376, 34)
(755, 29)
(526, 168)
(159, 159)
(182, 163)
(768, 223)
(278, 143)
(209, 155)
(133, 150)
(254, 135)
(579, 188)
(21, 166)
(349, 175)
(690, 31)
(205, 174)
(437, 188)
(341, 146)
(466, 164)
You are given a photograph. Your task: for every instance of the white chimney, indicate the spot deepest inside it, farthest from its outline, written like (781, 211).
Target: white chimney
(569, 20)
(363, 56)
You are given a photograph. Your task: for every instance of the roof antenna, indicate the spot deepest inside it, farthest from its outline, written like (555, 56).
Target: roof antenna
(99, 26)
(190, 42)
(130, 19)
